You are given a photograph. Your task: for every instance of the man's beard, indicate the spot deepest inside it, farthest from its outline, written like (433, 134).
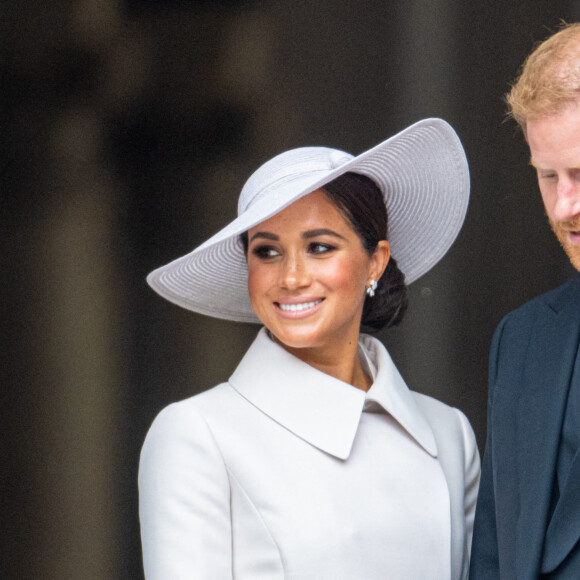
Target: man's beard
(562, 231)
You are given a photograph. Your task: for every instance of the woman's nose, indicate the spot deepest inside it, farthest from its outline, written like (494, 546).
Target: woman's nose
(294, 272)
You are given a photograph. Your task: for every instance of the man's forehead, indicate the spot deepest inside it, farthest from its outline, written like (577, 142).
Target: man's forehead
(554, 140)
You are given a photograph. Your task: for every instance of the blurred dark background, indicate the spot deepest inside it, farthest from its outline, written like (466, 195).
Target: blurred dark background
(128, 128)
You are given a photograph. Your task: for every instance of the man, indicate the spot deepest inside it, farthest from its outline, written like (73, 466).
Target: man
(527, 522)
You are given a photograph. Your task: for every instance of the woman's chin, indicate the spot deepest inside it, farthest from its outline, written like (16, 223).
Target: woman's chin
(297, 339)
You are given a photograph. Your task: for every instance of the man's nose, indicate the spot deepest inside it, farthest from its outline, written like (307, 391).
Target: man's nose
(567, 205)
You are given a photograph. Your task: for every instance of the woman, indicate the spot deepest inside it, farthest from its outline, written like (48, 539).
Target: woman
(315, 461)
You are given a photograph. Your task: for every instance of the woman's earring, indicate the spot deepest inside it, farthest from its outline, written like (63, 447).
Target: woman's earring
(371, 288)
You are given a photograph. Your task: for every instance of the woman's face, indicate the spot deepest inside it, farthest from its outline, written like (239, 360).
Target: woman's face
(307, 273)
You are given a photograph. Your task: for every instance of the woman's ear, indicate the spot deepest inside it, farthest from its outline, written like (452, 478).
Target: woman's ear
(380, 259)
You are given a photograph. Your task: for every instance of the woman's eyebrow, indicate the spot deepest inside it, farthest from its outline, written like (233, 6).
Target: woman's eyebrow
(321, 232)
(305, 235)
(264, 236)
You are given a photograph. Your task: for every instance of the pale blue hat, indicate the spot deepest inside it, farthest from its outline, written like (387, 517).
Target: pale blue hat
(423, 175)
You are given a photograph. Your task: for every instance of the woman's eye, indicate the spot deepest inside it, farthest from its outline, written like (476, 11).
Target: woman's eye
(318, 248)
(265, 252)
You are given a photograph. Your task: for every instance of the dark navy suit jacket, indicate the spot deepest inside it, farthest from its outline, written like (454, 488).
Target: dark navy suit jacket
(532, 360)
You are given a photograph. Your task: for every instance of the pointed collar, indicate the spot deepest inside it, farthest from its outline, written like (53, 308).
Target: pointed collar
(321, 409)
(390, 391)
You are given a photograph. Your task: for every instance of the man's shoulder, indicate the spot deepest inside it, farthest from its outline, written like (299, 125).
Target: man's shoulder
(548, 315)
(565, 295)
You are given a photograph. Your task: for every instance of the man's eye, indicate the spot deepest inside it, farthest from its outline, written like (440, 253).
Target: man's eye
(264, 252)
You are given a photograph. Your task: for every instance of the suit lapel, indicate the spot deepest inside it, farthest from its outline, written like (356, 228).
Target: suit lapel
(548, 370)
(546, 381)
(564, 529)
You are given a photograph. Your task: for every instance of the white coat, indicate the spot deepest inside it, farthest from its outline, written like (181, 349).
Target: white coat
(284, 472)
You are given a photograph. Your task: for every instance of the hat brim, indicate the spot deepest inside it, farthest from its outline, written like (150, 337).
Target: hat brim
(423, 174)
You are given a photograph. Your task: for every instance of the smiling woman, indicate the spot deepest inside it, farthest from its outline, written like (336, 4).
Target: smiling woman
(263, 476)
(307, 274)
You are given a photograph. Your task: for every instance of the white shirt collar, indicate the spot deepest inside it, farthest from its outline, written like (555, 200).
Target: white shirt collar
(321, 409)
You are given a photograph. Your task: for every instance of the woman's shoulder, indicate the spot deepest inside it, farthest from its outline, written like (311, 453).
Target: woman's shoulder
(445, 420)
(456, 443)
(187, 431)
(434, 406)
(195, 420)
(197, 409)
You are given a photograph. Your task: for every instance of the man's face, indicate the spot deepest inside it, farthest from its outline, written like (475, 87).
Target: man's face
(555, 149)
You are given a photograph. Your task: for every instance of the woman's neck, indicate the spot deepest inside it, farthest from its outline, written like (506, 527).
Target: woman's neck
(342, 362)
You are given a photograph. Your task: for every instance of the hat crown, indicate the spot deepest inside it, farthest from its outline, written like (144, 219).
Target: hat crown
(296, 166)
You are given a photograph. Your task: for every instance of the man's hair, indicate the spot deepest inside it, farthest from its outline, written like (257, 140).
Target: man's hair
(550, 78)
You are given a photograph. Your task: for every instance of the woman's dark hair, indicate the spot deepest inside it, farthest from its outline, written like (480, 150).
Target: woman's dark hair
(361, 202)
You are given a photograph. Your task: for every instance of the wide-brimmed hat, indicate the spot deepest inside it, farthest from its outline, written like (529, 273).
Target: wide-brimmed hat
(423, 175)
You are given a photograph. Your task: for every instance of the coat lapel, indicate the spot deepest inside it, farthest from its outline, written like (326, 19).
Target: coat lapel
(546, 380)
(391, 392)
(320, 409)
(316, 407)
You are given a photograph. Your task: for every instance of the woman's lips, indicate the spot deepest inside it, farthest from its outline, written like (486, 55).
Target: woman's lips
(299, 306)
(298, 309)
(574, 237)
